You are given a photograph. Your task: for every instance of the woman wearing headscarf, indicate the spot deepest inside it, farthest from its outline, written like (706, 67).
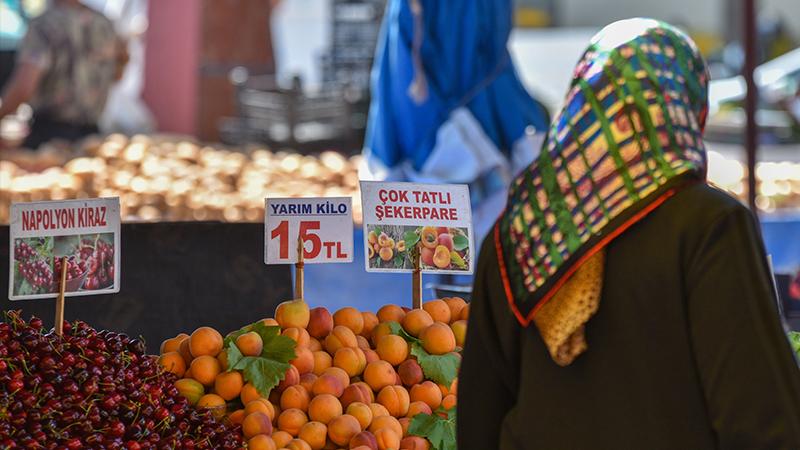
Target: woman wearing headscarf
(621, 302)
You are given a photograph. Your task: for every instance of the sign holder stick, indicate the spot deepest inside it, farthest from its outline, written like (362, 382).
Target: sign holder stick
(416, 282)
(62, 287)
(298, 274)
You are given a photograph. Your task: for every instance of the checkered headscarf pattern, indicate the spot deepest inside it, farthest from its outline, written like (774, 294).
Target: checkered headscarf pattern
(630, 130)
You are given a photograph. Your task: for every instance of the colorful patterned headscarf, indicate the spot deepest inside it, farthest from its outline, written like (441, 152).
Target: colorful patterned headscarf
(629, 136)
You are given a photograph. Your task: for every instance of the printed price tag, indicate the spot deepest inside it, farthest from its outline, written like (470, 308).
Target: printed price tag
(325, 224)
(87, 232)
(434, 219)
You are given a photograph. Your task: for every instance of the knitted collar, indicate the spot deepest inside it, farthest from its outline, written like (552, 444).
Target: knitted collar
(629, 136)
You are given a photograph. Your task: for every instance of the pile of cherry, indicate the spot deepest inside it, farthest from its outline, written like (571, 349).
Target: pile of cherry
(100, 258)
(94, 389)
(35, 269)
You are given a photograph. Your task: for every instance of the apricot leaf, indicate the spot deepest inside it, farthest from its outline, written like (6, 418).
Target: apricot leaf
(440, 431)
(442, 369)
(269, 368)
(460, 242)
(411, 238)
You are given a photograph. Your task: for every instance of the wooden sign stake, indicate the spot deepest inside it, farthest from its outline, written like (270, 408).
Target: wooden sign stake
(62, 287)
(298, 274)
(416, 282)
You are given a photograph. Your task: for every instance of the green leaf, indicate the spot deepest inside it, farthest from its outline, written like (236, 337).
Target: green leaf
(794, 339)
(442, 369)
(457, 260)
(268, 369)
(263, 373)
(439, 431)
(377, 230)
(460, 242)
(399, 260)
(411, 238)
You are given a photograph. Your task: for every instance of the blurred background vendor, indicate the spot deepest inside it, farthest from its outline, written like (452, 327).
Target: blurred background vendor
(447, 105)
(65, 67)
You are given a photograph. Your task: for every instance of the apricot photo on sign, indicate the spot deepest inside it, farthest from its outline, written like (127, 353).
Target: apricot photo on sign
(439, 248)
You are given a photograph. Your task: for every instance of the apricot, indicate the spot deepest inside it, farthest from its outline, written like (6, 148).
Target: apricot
(456, 304)
(270, 322)
(248, 394)
(417, 320)
(459, 328)
(290, 378)
(191, 389)
(429, 237)
(323, 408)
(222, 357)
(438, 339)
(387, 439)
(255, 424)
(351, 360)
(349, 317)
(426, 256)
(427, 392)
(261, 442)
(372, 237)
(260, 405)
(395, 399)
(205, 341)
(298, 444)
(304, 360)
(417, 407)
(315, 434)
(384, 240)
(281, 438)
(322, 361)
(291, 420)
(446, 241)
(387, 422)
(379, 374)
(250, 344)
(328, 384)
(299, 335)
(295, 397)
(341, 429)
(405, 422)
(172, 344)
(464, 313)
(205, 369)
(438, 310)
(314, 345)
(228, 385)
(410, 372)
(414, 443)
(339, 373)
(391, 313)
(401, 246)
(383, 329)
(386, 253)
(370, 322)
(236, 417)
(362, 412)
(371, 252)
(392, 349)
(293, 313)
(340, 337)
(186, 354)
(364, 439)
(378, 410)
(362, 342)
(357, 392)
(320, 322)
(371, 355)
(307, 381)
(441, 257)
(449, 401)
(213, 402)
(173, 362)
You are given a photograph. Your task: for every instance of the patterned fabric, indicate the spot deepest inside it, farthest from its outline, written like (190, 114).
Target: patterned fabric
(77, 49)
(630, 133)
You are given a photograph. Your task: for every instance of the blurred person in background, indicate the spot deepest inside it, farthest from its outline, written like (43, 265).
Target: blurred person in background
(447, 104)
(621, 302)
(65, 67)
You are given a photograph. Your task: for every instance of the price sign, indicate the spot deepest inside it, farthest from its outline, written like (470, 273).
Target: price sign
(324, 224)
(406, 220)
(84, 233)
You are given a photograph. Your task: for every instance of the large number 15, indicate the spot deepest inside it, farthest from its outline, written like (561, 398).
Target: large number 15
(282, 233)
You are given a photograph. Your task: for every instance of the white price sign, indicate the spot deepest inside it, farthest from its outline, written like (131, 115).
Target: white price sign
(325, 225)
